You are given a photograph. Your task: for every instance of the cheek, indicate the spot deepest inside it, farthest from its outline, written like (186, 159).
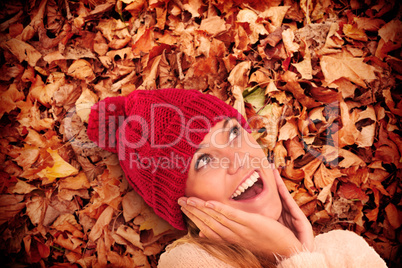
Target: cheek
(206, 186)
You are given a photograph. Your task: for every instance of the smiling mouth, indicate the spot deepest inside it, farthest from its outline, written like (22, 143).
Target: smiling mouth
(250, 188)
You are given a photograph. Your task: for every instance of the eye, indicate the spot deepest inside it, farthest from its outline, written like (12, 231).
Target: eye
(202, 161)
(233, 133)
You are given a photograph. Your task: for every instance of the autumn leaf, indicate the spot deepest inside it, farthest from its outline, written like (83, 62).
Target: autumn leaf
(23, 51)
(344, 66)
(250, 17)
(22, 187)
(84, 103)
(355, 33)
(154, 223)
(81, 69)
(60, 169)
(351, 191)
(103, 220)
(10, 205)
(9, 98)
(130, 235)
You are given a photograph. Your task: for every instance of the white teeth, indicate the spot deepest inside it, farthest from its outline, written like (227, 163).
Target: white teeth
(245, 185)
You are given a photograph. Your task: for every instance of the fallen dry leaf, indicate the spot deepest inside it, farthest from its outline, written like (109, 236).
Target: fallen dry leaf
(60, 169)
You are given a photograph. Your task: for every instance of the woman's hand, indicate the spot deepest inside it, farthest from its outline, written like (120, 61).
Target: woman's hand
(292, 216)
(260, 234)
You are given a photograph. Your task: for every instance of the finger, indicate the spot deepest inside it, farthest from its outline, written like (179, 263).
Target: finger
(204, 229)
(224, 214)
(209, 219)
(218, 217)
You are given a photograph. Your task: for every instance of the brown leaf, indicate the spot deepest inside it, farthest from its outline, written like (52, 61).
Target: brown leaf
(27, 155)
(36, 208)
(130, 235)
(294, 148)
(288, 131)
(22, 51)
(133, 205)
(298, 92)
(348, 134)
(394, 216)
(9, 98)
(82, 70)
(392, 31)
(239, 75)
(103, 220)
(292, 173)
(250, 17)
(10, 205)
(22, 188)
(75, 183)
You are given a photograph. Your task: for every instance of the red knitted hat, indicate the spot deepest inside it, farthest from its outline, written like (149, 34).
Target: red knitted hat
(156, 133)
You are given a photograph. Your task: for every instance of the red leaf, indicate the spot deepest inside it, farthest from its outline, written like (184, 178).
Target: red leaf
(351, 191)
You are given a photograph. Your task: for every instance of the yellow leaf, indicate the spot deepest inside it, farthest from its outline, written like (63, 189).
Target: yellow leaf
(60, 169)
(353, 32)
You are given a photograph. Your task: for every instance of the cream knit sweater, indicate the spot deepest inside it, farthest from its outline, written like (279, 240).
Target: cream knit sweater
(336, 248)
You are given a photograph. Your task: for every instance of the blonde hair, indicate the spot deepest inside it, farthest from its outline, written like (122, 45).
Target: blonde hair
(232, 254)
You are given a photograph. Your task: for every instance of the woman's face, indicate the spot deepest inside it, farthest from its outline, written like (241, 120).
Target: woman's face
(230, 167)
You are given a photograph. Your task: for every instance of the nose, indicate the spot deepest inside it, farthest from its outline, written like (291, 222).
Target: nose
(232, 160)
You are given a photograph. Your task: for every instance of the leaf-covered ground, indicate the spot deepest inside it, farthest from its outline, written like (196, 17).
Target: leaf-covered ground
(320, 80)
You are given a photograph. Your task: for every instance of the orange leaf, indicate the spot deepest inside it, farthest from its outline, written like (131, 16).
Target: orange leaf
(144, 44)
(324, 176)
(351, 68)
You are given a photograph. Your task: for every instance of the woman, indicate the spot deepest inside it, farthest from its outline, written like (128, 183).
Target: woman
(184, 151)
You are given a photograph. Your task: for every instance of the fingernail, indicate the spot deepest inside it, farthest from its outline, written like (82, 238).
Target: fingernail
(190, 202)
(181, 202)
(209, 205)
